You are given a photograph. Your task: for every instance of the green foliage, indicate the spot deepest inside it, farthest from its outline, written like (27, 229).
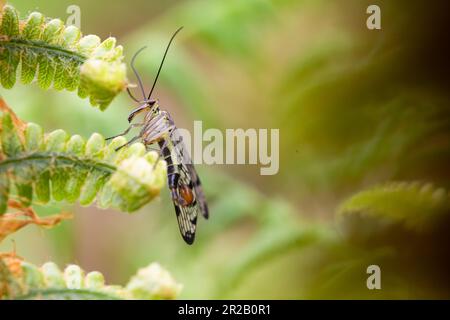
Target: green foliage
(356, 108)
(25, 281)
(153, 282)
(58, 55)
(416, 205)
(403, 227)
(62, 167)
(38, 168)
(400, 226)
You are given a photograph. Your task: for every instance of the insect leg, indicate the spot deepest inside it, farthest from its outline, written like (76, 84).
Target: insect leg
(128, 143)
(153, 149)
(155, 125)
(126, 131)
(157, 130)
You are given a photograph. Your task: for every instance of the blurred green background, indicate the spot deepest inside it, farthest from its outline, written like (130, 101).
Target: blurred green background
(356, 108)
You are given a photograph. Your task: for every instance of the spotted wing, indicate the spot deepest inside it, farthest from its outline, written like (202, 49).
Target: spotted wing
(184, 183)
(198, 190)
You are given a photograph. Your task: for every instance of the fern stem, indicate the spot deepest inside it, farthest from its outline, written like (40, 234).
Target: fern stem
(43, 47)
(51, 157)
(68, 294)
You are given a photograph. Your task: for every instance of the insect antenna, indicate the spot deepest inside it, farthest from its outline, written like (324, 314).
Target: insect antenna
(141, 86)
(162, 62)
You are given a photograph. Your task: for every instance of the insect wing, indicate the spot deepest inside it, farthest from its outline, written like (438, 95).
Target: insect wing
(198, 190)
(183, 157)
(188, 182)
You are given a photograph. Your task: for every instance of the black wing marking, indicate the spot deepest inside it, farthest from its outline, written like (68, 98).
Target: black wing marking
(181, 174)
(198, 190)
(186, 213)
(183, 157)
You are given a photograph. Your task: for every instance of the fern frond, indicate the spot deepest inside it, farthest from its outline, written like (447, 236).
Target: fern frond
(26, 281)
(416, 205)
(58, 55)
(66, 294)
(56, 166)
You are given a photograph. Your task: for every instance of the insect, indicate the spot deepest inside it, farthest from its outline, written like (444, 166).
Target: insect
(159, 128)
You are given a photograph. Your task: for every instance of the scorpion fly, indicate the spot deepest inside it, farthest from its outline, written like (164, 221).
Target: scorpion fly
(159, 128)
